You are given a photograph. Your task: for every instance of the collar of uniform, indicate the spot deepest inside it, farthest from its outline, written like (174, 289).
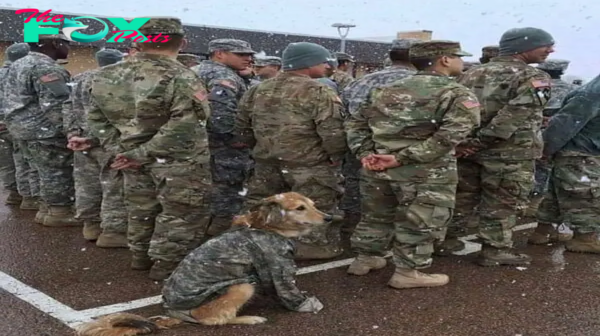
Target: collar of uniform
(431, 73)
(506, 59)
(403, 66)
(144, 55)
(39, 54)
(292, 74)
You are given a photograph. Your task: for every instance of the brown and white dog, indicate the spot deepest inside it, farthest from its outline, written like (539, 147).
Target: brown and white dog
(289, 215)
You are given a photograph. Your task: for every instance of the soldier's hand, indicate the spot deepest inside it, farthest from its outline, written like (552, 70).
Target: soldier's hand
(121, 162)
(238, 145)
(379, 162)
(79, 144)
(545, 122)
(464, 151)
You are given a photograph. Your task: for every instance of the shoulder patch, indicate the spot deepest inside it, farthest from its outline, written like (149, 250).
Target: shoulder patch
(540, 83)
(228, 84)
(470, 104)
(49, 78)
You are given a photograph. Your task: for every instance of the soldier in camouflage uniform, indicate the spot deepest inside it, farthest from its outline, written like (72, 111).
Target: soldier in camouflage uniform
(572, 141)
(489, 52)
(498, 178)
(294, 126)
(18, 175)
(405, 135)
(341, 76)
(267, 67)
(150, 113)
(333, 64)
(230, 166)
(545, 233)
(98, 189)
(36, 88)
(352, 97)
(189, 60)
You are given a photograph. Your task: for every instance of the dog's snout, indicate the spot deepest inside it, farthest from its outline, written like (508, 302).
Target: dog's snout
(328, 218)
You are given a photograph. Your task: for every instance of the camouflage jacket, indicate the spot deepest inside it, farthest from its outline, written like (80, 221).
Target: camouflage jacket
(559, 89)
(512, 95)
(358, 90)
(226, 89)
(150, 108)
(3, 79)
(35, 89)
(420, 120)
(240, 256)
(292, 119)
(575, 129)
(342, 79)
(74, 117)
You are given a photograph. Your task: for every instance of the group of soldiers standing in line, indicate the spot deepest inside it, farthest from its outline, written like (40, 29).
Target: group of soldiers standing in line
(159, 152)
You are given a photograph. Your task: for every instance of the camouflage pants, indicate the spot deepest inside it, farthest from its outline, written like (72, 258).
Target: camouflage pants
(168, 213)
(573, 195)
(229, 169)
(15, 169)
(498, 190)
(410, 216)
(28, 179)
(319, 183)
(99, 191)
(351, 170)
(7, 162)
(54, 164)
(542, 178)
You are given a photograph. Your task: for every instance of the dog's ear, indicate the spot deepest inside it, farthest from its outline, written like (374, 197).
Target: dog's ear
(263, 214)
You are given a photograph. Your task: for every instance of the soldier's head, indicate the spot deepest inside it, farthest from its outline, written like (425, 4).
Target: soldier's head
(554, 67)
(189, 60)
(489, 52)
(306, 58)
(16, 51)
(444, 57)
(167, 35)
(55, 46)
(106, 57)
(344, 61)
(400, 51)
(236, 54)
(267, 67)
(531, 45)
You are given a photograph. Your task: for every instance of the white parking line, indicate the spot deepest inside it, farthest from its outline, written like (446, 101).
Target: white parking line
(72, 317)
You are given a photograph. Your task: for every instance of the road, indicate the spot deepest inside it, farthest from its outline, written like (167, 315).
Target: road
(51, 278)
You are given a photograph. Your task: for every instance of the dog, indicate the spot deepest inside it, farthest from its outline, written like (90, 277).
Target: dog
(217, 279)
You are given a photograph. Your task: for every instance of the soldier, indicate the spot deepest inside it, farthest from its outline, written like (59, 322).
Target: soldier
(489, 52)
(189, 60)
(333, 64)
(18, 175)
(341, 76)
(570, 141)
(267, 67)
(96, 186)
(230, 166)
(150, 113)
(409, 181)
(352, 97)
(545, 233)
(294, 126)
(499, 177)
(36, 88)
(248, 76)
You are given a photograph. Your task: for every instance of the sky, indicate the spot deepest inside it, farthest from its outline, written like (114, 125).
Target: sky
(575, 24)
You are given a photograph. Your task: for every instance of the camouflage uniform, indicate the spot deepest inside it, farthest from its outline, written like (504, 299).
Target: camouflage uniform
(98, 189)
(342, 78)
(294, 125)
(572, 140)
(36, 87)
(230, 167)
(410, 205)
(268, 61)
(189, 60)
(499, 178)
(261, 258)
(352, 97)
(152, 109)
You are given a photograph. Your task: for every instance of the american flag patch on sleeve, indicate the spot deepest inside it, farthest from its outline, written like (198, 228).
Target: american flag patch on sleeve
(470, 104)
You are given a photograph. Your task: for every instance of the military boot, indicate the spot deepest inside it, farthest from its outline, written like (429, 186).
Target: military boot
(409, 278)
(13, 198)
(544, 233)
(41, 213)
(218, 225)
(351, 219)
(449, 245)
(317, 252)
(363, 264)
(140, 261)
(491, 256)
(584, 243)
(91, 230)
(112, 240)
(61, 216)
(30, 203)
(162, 269)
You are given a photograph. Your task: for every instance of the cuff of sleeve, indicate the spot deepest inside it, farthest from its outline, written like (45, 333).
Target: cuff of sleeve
(363, 155)
(403, 157)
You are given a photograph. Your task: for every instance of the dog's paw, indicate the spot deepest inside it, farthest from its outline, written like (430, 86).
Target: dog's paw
(249, 320)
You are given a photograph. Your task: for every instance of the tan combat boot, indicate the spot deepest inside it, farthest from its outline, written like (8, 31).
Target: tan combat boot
(140, 261)
(112, 240)
(316, 252)
(42, 213)
(30, 203)
(584, 243)
(363, 264)
(13, 198)
(491, 256)
(162, 269)
(409, 278)
(61, 216)
(91, 230)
